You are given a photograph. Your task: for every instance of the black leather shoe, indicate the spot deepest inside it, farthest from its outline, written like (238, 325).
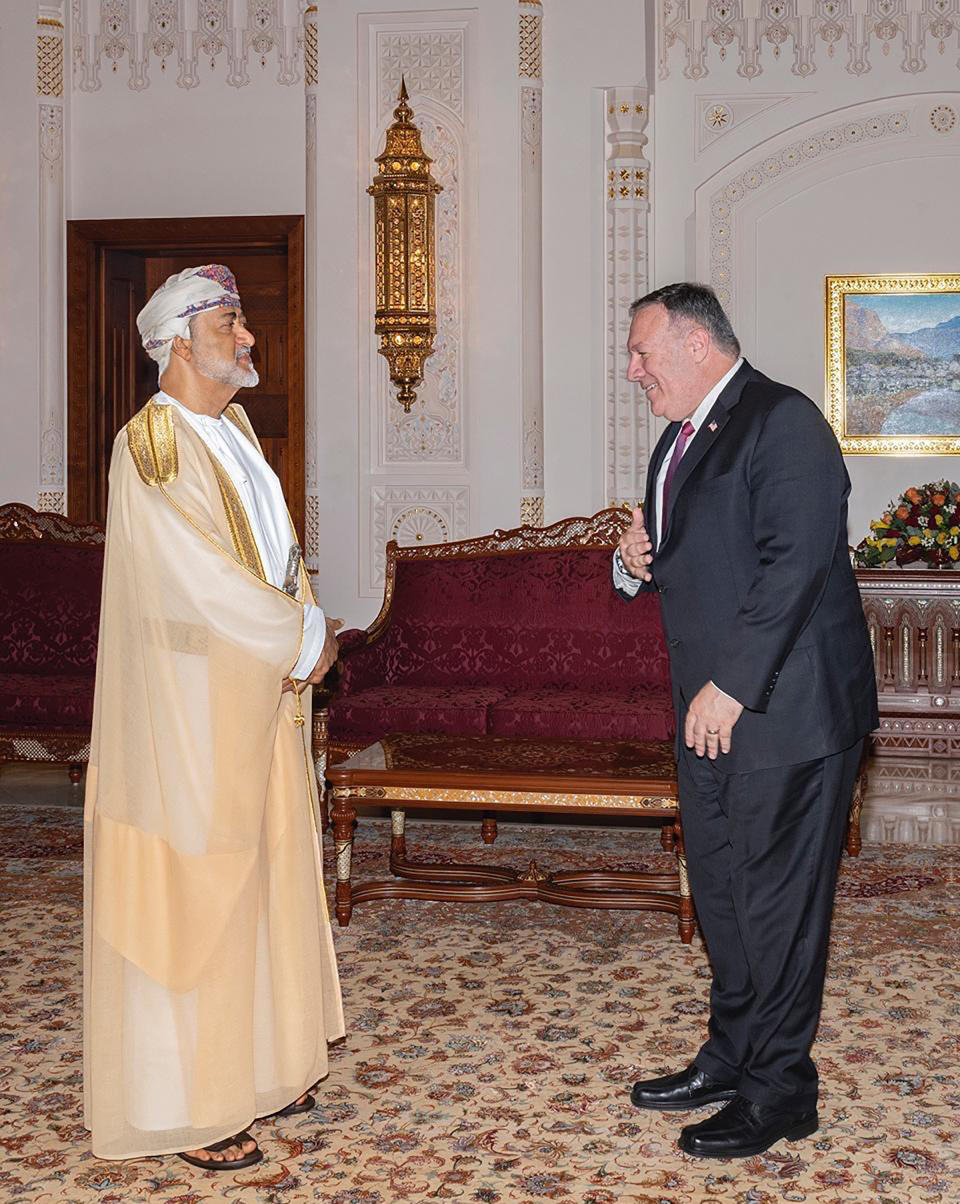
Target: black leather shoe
(743, 1128)
(689, 1088)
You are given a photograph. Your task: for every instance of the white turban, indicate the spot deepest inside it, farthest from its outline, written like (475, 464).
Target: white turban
(168, 312)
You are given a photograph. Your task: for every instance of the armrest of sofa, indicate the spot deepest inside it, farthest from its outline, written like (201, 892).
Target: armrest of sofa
(360, 663)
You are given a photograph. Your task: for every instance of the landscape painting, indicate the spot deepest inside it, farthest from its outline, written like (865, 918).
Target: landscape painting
(893, 363)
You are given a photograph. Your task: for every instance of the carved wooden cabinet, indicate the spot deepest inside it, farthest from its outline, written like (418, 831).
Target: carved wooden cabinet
(914, 621)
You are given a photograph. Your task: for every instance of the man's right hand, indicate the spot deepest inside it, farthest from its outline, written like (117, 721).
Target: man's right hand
(636, 548)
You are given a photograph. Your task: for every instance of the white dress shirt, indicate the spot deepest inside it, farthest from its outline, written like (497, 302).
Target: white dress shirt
(262, 496)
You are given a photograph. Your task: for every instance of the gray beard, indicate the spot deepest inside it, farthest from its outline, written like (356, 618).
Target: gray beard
(240, 374)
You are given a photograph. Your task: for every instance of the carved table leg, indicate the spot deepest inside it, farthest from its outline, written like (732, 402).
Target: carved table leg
(488, 829)
(853, 820)
(666, 838)
(687, 921)
(76, 773)
(398, 842)
(343, 818)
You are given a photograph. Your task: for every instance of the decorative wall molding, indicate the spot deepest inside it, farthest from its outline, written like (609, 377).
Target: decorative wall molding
(414, 514)
(311, 399)
(531, 40)
(718, 115)
(531, 263)
(190, 36)
(803, 28)
(630, 429)
(52, 260)
(432, 63)
(822, 138)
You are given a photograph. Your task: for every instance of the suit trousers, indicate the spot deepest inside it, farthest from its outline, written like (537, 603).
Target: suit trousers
(763, 850)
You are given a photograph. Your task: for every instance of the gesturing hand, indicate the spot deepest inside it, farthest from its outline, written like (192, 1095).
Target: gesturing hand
(635, 548)
(709, 723)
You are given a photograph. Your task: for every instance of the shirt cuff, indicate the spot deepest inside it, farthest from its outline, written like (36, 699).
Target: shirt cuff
(725, 694)
(623, 580)
(314, 637)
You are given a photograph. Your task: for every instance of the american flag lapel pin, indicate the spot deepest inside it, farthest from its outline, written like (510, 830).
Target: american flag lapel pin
(712, 426)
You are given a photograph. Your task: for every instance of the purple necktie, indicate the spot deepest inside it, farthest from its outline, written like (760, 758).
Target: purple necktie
(678, 449)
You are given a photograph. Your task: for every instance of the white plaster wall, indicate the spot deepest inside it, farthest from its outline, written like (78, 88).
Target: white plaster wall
(587, 47)
(858, 218)
(801, 241)
(19, 255)
(171, 152)
(491, 398)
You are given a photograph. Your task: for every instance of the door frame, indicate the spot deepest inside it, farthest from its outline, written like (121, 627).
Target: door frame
(87, 243)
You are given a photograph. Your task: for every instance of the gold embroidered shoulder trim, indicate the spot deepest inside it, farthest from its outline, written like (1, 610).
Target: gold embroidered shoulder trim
(241, 533)
(153, 444)
(238, 416)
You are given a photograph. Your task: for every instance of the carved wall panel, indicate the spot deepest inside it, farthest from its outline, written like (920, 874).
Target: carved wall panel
(630, 428)
(413, 514)
(531, 262)
(192, 39)
(692, 31)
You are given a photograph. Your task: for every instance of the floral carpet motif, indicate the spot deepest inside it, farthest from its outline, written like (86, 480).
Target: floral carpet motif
(491, 1048)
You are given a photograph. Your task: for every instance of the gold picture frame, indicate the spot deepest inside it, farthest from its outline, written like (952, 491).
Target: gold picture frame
(893, 365)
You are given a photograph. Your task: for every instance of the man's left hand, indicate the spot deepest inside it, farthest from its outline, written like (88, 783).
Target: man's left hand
(710, 719)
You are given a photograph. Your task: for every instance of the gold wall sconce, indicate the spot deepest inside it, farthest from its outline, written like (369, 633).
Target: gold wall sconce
(404, 203)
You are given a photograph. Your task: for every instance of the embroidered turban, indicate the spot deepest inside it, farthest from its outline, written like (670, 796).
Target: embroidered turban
(168, 312)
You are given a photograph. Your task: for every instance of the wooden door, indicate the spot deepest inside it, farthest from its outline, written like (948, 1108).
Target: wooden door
(113, 267)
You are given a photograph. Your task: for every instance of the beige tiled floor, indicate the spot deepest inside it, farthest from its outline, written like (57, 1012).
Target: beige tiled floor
(912, 801)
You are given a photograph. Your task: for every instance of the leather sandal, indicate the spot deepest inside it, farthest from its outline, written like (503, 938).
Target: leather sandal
(230, 1164)
(295, 1109)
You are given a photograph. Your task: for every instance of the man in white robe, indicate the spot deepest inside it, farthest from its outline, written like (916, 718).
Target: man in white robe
(211, 987)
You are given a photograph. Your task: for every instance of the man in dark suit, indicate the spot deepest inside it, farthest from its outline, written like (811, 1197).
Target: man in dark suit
(744, 535)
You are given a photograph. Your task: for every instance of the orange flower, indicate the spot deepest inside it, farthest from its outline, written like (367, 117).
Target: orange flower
(939, 499)
(913, 495)
(888, 517)
(903, 512)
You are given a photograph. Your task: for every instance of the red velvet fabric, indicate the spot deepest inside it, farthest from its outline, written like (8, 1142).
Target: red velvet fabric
(530, 644)
(521, 621)
(564, 712)
(373, 712)
(49, 609)
(46, 701)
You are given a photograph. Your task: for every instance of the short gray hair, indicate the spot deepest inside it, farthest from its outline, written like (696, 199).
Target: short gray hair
(698, 304)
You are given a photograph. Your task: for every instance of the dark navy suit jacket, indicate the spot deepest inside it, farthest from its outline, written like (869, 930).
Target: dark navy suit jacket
(756, 588)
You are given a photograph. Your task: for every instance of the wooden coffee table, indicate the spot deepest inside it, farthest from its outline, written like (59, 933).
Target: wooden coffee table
(490, 774)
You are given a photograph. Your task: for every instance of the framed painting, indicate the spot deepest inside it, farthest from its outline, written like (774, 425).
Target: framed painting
(893, 364)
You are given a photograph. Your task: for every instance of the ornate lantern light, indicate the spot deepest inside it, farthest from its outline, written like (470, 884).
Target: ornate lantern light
(404, 201)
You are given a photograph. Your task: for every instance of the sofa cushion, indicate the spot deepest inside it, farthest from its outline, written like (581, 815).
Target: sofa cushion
(372, 713)
(49, 607)
(523, 620)
(559, 712)
(46, 701)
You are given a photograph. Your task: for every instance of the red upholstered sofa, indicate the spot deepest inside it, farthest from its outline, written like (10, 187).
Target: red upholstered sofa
(518, 633)
(50, 575)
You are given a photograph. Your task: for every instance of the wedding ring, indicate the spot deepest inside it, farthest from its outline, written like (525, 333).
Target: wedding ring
(713, 731)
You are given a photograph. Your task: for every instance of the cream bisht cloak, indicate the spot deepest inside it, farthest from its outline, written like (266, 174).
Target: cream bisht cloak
(210, 983)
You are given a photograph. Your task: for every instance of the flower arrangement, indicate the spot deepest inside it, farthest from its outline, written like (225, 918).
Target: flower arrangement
(923, 525)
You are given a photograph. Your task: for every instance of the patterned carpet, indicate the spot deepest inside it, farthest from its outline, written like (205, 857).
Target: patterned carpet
(490, 1049)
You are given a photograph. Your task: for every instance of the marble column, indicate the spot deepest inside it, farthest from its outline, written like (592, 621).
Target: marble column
(630, 428)
(52, 258)
(530, 70)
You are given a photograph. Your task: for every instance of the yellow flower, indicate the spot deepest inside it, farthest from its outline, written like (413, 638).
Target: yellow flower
(955, 530)
(954, 552)
(939, 520)
(942, 537)
(887, 543)
(914, 539)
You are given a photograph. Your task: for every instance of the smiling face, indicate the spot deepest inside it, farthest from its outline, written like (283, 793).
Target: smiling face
(220, 347)
(666, 361)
